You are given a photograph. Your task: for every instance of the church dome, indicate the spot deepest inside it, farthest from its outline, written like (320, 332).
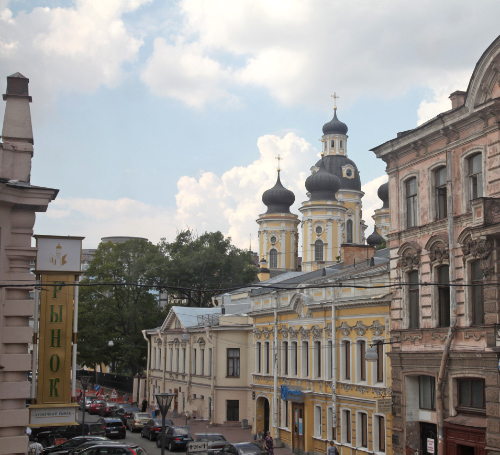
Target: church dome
(383, 194)
(335, 126)
(375, 238)
(322, 184)
(278, 199)
(344, 169)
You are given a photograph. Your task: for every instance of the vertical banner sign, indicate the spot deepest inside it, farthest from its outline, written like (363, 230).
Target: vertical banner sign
(58, 263)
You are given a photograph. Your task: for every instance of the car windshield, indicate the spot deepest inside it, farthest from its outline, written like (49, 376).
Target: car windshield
(157, 422)
(141, 415)
(99, 402)
(210, 437)
(180, 431)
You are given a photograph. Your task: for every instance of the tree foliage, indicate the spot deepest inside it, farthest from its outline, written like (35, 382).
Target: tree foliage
(119, 309)
(205, 263)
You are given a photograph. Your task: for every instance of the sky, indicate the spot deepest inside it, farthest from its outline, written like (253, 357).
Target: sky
(154, 116)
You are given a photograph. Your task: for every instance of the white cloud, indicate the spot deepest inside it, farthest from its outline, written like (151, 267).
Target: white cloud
(371, 201)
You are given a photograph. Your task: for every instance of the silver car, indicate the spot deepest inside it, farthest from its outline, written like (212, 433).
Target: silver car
(137, 420)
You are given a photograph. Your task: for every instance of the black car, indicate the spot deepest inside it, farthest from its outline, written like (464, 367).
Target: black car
(152, 428)
(176, 438)
(47, 438)
(215, 441)
(113, 426)
(124, 413)
(73, 443)
(83, 447)
(111, 448)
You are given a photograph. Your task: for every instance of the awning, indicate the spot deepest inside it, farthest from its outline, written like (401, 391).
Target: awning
(467, 421)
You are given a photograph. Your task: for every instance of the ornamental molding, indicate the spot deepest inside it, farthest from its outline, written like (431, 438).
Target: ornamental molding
(437, 246)
(304, 333)
(316, 331)
(362, 389)
(412, 338)
(328, 329)
(480, 249)
(284, 331)
(442, 337)
(257, 333)
(267, 332)
(345, 386)
(201, 342)
(360, 328)
(377, 328)
(294, 334)
(159, 342)
(491, 210)
(409, 256)
(468, 335)
(344, 328)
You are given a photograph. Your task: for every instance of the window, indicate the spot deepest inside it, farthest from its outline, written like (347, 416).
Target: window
(210, 362)
(441, 194)
(379, 433)
(361, 356)
(346, 426)
(284, 358)
(332, 144)
(233, 362)
(318, 250)
(341, 143)
(153, 360)
(329, 360)
(284, 414)
(443, 274)
(379, 364)
(317, 421)
(346, 361)
(258, 357)
(476, 292)
(427, 392)
(273, 258)
(331, 430)
(348, 228)
(471, 393)
(233, 410)
(267, 360)
(362, 429)
(413, 301)
(194, 361)
(411, 202)
(475, 176)
(305, 359)
(183, 360)
(326, 145)
(317, 359)
(294, 359)
(176, 359)
(202, 352)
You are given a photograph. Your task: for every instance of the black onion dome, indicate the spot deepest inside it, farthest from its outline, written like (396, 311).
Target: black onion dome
(322, 185)
(334, 165)
(375, 238)
(383, 194)
(335, 126)
(278, 199)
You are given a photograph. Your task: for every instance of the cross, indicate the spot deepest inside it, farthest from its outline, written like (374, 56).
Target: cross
(279, 159)
(334, 96)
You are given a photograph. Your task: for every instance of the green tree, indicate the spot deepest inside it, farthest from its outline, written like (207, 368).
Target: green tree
(204, 264)
(119, 309)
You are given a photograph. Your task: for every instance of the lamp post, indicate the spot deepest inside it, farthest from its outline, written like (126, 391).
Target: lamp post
(164, 400)
(85, 382)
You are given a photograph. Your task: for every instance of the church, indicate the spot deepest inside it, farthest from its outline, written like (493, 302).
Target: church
(331, 216)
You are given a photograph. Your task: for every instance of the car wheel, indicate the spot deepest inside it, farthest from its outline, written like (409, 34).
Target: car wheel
(170, 447)
(150, 436)
(158, 442)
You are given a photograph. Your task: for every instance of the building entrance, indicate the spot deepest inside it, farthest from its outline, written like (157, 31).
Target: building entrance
(262, 411)
(298, 427)
(428, 438)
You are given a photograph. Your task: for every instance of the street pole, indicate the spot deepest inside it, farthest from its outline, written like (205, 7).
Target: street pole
(164, 400)
(85, 382)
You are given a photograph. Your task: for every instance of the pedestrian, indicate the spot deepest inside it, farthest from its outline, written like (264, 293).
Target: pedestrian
(269, 443)
(258, 436)
(125, 398)
(144, 405)
(35, 448)
(156, 411)
(332, 450)
(28, 432)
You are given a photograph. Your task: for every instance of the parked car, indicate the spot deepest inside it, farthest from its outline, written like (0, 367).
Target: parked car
(35, 431)
(125, 413)
(108, 409)
(83, 446)
(96, 406)
(137, 420)
(176, 438)
(85, 406)
(47, 438)
(152, 428)
(116, 410)
(73, 443)
(216, 441)
(111, 448)
(241, 448)
(113, 426)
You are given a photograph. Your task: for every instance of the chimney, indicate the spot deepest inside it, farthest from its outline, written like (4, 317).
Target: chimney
(457, 99)
(352, 254)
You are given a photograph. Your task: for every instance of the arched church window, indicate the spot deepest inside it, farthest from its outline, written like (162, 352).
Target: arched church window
(273, 259)
(333, 144)
(341, 143)
(348, 228)
(318, 250)
(326, 145)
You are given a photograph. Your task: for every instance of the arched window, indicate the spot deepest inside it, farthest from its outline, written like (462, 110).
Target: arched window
(341, 143)
(318, 250)
(348, 228)
(326, 145)
(411, 202)
(273, 259)
(333, 144)
(443, 278)
(441, 194)
(475, 176)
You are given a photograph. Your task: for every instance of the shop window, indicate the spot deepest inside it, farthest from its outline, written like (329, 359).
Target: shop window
(362, 430)
(317, 359)
(273, 258)
(443, 275)
(413, 300)
(471, 393)
(284, 358)
(411, 202)
(318, 250)
(427, 392)
(317, 421)
(476, 293)
(349, 233)
(233, 410)
(346, 426)
(233, 362)
(475, 164)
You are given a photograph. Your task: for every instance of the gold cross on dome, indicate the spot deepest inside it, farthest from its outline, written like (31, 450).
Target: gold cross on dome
(335, 97)
(279, 159)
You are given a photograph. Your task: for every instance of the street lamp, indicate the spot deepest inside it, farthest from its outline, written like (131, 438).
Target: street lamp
(164, 400)
(85, 382)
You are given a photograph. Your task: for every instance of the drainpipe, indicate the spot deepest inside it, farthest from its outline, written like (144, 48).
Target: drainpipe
(211, 340)
(148, 363)
(34, 366)
(334, 364)
(453, 310)
(275, 390)
(75, 334)
(163, 345)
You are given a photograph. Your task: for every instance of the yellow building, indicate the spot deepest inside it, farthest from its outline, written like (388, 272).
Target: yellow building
(312, 384)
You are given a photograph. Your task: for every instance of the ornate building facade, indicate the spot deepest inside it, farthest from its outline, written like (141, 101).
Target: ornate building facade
(444, 188)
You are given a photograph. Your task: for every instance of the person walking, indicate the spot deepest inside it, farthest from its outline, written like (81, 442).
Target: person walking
(35, 448)
(144, 405)
(125, 398)
(156, 412)
(269, 443)
(332, 450)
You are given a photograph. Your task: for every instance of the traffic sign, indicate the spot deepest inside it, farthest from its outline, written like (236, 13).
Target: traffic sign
(114, 394)
(97, 387)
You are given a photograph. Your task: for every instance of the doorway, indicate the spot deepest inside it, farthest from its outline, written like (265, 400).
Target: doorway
(298, 427)
(465, 450)
(262, 412)
(428, 438)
